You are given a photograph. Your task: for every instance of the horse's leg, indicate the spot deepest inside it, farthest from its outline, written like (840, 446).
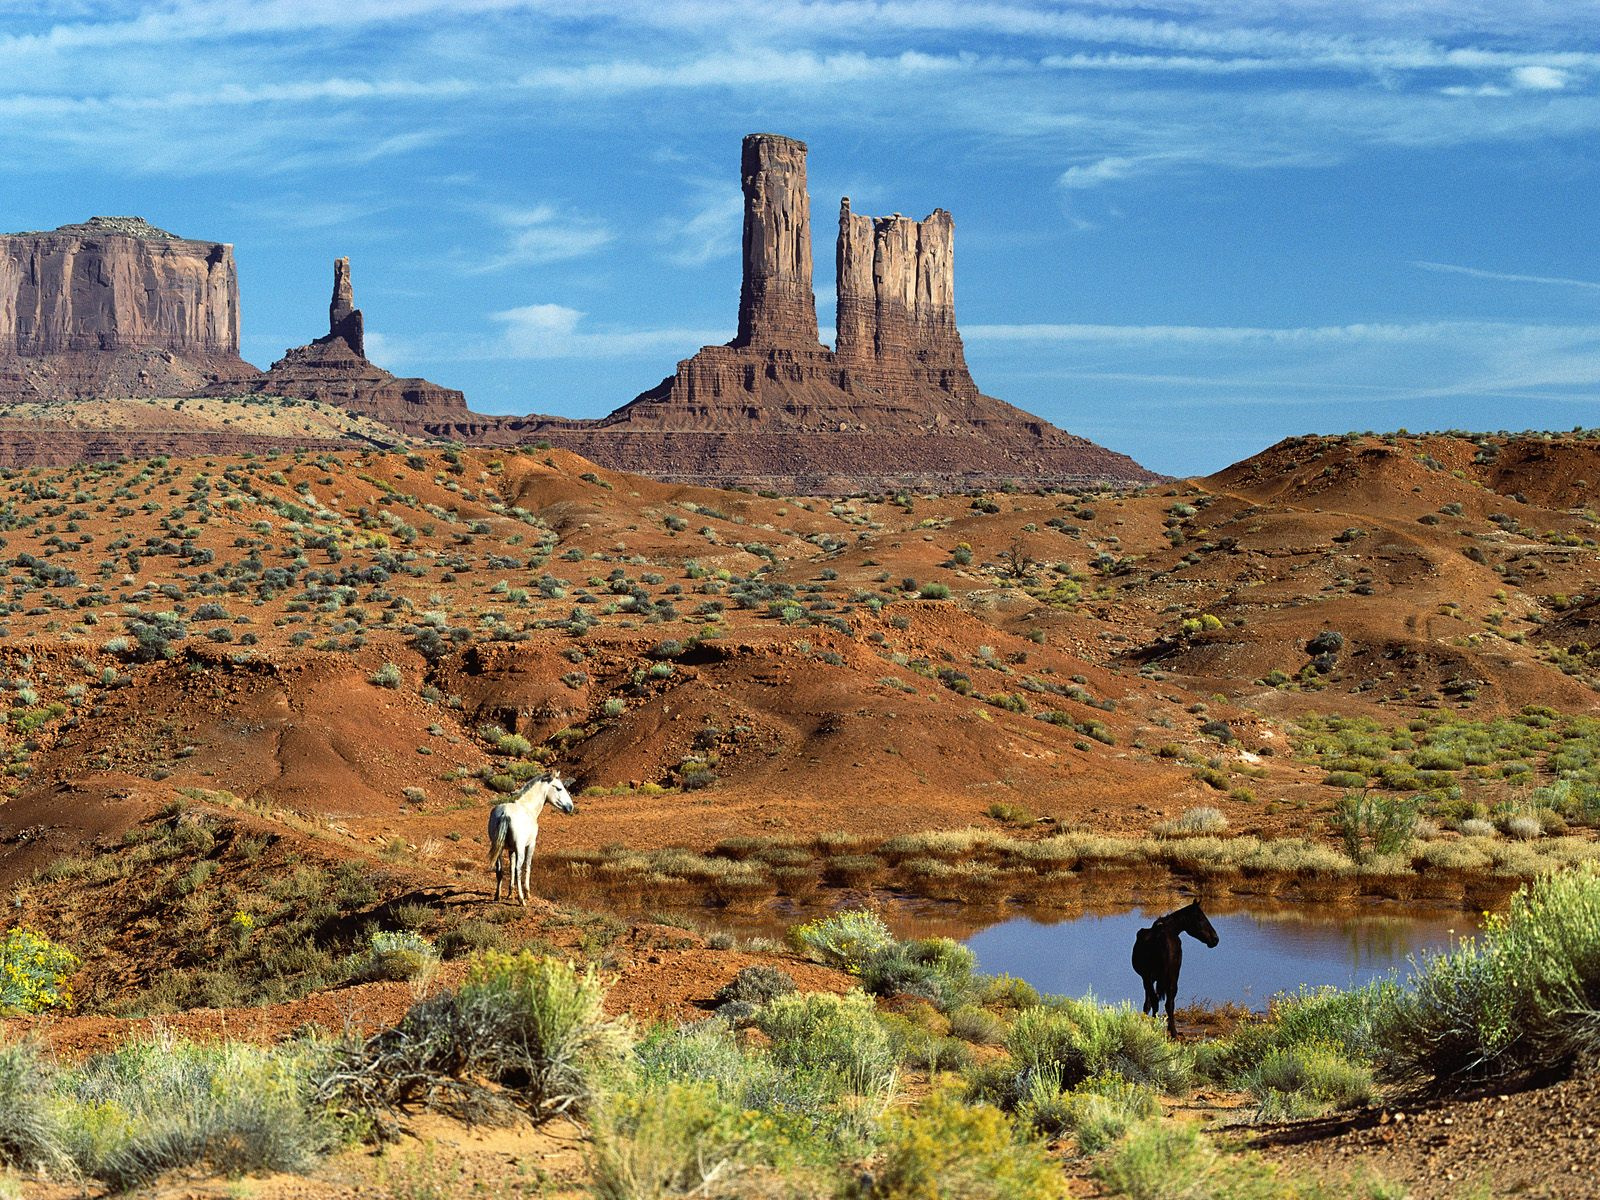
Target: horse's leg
(1171, 984)
(498, 859)
(1152, 1002)
(527, 863)
(521, 867)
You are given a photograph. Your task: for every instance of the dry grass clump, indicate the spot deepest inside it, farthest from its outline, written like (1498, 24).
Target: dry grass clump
(1201, 820)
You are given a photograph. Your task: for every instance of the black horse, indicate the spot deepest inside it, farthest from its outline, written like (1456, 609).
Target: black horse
(1158, 956)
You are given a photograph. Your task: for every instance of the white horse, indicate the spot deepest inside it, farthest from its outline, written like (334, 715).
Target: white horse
(514, 827)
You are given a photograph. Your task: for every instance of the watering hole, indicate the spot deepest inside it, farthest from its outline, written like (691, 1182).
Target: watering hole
(1262, 949)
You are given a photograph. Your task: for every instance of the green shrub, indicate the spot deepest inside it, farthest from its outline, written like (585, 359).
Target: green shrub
(533, 1024)
(400, 955)
(1194, 822)
(945, 1148)
(977, 1025)
(1307, 1080)
(1370, 824)
(921, 1047)
(1160, 1161)
(815, 1118)
(823, 1032)
(1102, 1109)
(471, 937)
(30, 1132)
(1345, 779)
(387, 676)
(934, 591)
(755, 985)
(1007, 991)
(1525, 993)
(1346, 1022)
(156, 1105)
(677, 1139)
(34, 972)
(1010, 814)
(937, 969)
(1059, 1045)
(845, 940)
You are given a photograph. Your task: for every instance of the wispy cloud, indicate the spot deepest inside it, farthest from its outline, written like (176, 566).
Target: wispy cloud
(1329, 364)
(544, 234)
(556, 331)
(710, 230)
(1504, 277)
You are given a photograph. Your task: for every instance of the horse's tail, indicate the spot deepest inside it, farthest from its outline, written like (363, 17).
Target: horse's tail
(497, 836)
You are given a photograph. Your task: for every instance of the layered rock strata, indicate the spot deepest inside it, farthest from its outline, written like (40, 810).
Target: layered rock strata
(335, 369)
(115, 307)
(893, 405)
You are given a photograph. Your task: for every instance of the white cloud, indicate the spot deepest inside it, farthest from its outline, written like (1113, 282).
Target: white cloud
(1213, 335)
(536, 331)
(1541, 78)
(1104, 170)
(1474, 272)
(1376, 362)
(545, 234)
(712, 229)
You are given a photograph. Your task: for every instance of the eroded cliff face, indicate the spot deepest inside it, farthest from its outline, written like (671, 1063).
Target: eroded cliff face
(114, 304)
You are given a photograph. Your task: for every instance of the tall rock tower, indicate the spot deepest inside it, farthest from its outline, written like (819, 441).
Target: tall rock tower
(897, 308)
(344, 318)
(777, 306)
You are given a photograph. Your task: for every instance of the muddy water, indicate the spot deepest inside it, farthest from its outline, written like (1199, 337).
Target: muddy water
(1262, 950)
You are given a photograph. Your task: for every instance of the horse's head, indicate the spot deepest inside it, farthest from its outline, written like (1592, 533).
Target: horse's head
(556, 793)
(1196, 925)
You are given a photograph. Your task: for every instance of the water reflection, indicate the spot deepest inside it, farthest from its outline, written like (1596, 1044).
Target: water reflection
(1258, 954)
(1263, 949)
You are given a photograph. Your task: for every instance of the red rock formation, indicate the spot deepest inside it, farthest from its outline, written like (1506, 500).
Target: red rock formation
(344, 318)
(777, 306)
(894, 405)
(896, 305)
(115, 306)
(335, 370)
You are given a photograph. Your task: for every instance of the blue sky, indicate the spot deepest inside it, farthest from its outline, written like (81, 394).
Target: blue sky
(1183, 229)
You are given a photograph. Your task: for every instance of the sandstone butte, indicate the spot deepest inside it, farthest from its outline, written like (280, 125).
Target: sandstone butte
(116, 307)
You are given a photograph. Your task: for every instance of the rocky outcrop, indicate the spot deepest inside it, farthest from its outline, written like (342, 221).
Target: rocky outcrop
(335, 369)
(114, 306)
(42, 445)
(893, 405)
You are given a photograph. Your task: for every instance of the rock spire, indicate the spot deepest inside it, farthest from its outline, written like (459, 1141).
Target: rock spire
(896, 288)
(344, 318)
(335, 369)
(777, 306)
